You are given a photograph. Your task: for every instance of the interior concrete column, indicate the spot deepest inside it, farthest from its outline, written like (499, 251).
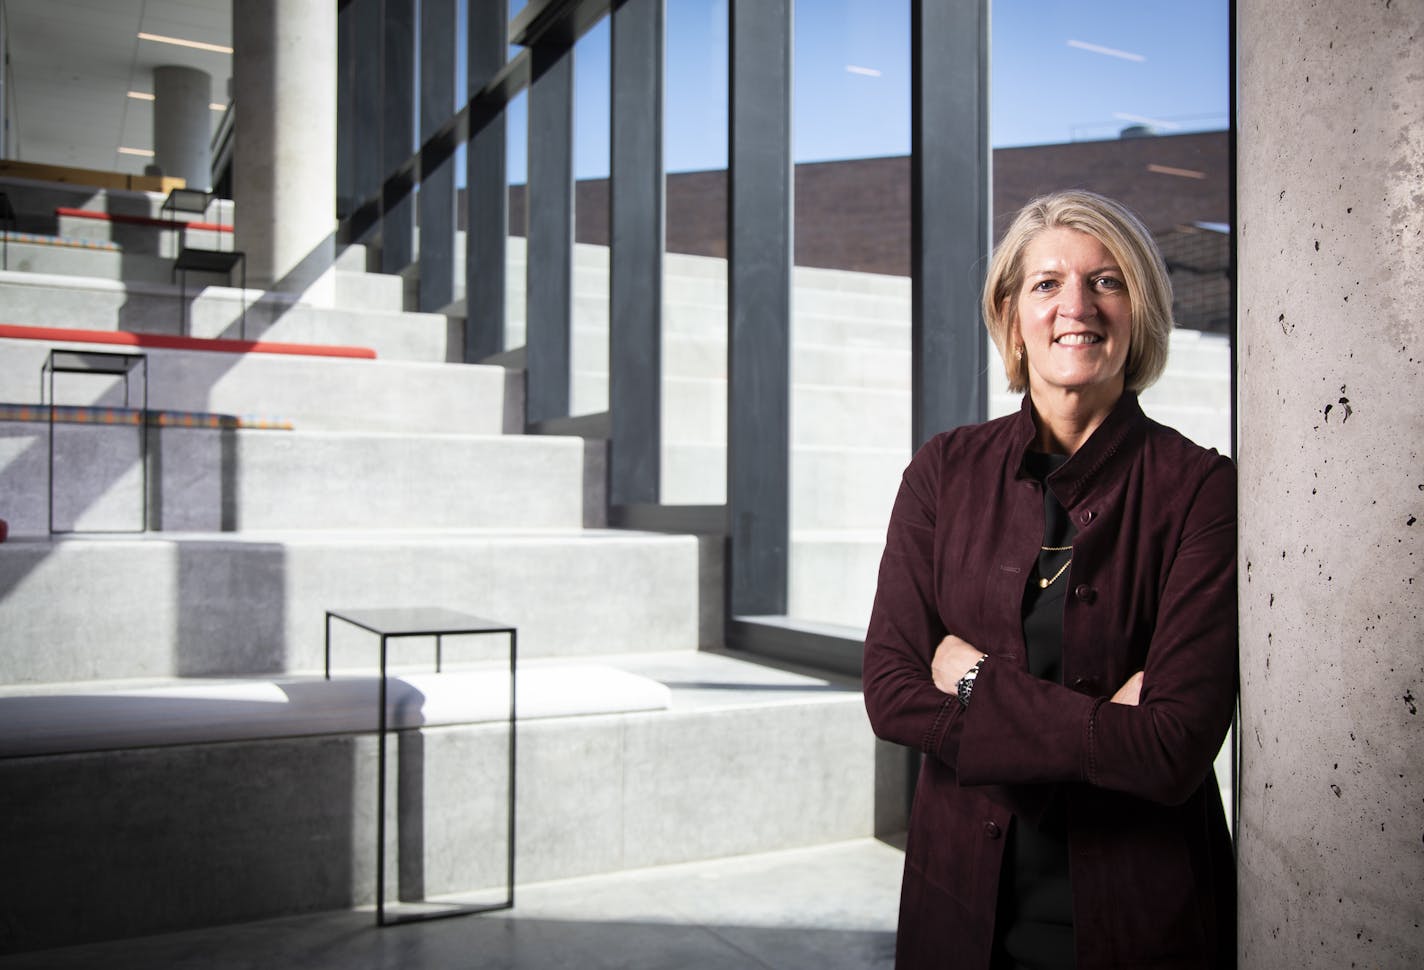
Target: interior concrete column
(284, 169)
(1331, 409)
(182, 124)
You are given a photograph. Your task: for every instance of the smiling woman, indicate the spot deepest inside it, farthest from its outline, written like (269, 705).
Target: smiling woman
(1055, 628)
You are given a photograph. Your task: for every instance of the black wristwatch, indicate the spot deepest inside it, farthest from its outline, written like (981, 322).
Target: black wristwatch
(965, 687)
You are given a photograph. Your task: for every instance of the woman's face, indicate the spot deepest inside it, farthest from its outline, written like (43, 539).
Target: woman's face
(1074, 317)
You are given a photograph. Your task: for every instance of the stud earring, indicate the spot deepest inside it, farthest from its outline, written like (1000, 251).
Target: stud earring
(1018, 353)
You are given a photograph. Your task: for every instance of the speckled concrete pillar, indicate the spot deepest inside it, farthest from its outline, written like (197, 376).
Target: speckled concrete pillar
(284, 170)
(182, 123)
(1331, 410)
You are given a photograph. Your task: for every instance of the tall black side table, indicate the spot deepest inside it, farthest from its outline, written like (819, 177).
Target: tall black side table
(426, 621)
(7, 219)
(194, 259)
(103, 364)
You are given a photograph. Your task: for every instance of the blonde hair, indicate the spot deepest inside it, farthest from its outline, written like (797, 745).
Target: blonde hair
(1126, 238)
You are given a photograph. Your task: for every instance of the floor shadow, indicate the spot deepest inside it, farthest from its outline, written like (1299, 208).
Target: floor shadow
(488, 942)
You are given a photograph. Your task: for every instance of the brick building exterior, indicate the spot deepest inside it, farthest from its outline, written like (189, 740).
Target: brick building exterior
(855, 214)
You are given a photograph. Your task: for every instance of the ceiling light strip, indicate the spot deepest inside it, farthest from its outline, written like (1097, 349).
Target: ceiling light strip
(180, 42)
(145, 96)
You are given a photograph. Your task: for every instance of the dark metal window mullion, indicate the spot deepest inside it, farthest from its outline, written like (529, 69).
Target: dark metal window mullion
(949, 212)
(346, 128)
(398, 130)
(436, 202)
(549, 258)
(365, 120)
(636, 215)
(759, 263)
(486, 189)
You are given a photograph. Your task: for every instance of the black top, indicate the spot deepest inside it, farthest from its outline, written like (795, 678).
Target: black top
(1035, 910)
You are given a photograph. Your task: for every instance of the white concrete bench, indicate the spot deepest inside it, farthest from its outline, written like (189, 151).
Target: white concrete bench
(86, 720)
(191, 804)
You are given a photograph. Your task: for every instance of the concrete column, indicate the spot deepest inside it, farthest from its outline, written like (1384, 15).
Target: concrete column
(284, 170)
(182, 124)
(1331, 408)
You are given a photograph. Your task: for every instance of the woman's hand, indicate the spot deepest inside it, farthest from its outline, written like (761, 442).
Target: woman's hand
(952, 660)
(1129, 692)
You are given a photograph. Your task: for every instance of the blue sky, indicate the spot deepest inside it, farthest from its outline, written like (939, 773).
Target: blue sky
(1060, 71)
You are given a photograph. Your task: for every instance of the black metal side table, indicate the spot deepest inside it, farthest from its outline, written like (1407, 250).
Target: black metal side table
(389, 624)
(195, 259)
(103, 364)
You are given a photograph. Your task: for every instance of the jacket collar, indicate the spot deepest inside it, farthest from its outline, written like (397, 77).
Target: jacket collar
(1073, 478)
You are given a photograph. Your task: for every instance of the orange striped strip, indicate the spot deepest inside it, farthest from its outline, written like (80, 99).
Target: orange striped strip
(169, 342)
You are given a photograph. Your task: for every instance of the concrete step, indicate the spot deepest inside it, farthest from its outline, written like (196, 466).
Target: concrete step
(65, 256)
(369, 291)
(836, 319)
(846, 488)
(230, 480)
(693, 474)
(245, 830)
(348, 286)
(354, 258)
(253, 603)
(143, 239)
(313, 393)
(831, 488)
(695, 412)
(217, 311)
(832, 574)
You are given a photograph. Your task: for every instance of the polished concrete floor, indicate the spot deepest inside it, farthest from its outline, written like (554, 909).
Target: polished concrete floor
(823, 908)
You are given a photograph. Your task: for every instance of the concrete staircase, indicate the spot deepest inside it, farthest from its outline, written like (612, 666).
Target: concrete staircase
(387, 482)
(850, 379)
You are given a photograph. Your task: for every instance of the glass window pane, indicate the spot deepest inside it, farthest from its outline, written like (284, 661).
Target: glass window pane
(592, 108)
(694, 391)
(850, 360)
(516, 171)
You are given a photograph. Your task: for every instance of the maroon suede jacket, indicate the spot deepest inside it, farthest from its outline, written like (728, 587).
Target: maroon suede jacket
(1152, 588)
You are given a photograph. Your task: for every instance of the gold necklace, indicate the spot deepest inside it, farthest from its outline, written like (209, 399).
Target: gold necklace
(1045, 583)
(1055, 548)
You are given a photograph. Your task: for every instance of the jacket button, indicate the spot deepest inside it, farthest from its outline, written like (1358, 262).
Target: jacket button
(1085, 685)
(1085, 593)
(1085, 516)
(991, 829)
